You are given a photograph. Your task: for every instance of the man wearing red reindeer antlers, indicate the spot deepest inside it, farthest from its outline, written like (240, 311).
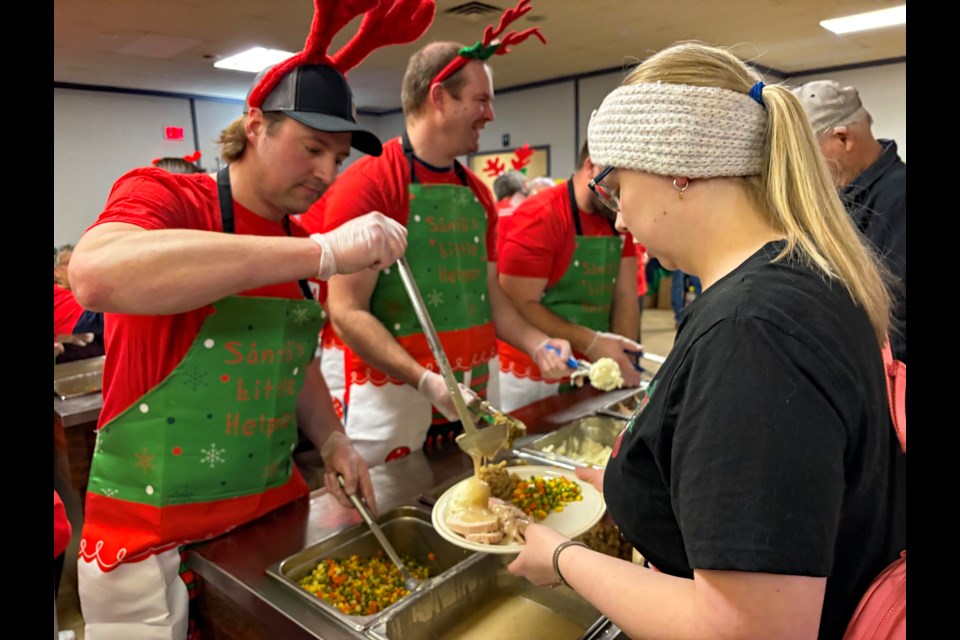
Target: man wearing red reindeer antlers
(392, 379)
(573, 275)
(209, 288)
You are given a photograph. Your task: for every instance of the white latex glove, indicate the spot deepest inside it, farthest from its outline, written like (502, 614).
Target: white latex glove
(551, 364)
(611, 345)
(371, 241)
(432, 387)
(339, 456)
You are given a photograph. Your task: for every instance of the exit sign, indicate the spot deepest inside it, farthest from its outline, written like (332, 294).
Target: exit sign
(173, 133)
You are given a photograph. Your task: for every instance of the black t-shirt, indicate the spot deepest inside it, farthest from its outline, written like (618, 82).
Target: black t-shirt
(764, 443)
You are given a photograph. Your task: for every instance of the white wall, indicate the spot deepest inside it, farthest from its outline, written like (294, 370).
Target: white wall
(883, 92)
(391, 126)
(212, 118)
(98, 136)
(538, 117)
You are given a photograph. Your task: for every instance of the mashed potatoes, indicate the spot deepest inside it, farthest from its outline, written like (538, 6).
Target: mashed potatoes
(605, 375)
(585, 450)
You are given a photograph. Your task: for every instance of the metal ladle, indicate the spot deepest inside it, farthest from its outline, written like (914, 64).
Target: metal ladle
(411, 583)
(481, 442)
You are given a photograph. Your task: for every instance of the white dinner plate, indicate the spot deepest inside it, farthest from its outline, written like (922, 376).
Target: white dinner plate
(576, 517)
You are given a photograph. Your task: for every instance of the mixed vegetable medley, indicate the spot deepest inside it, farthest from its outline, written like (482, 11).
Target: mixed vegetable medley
(538, 496)
(358, 586)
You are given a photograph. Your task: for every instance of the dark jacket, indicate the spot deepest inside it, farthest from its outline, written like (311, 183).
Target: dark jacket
(877, 202)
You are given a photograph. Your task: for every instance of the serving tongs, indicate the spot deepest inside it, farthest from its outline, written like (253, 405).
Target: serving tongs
(484, 443)
(411, 583)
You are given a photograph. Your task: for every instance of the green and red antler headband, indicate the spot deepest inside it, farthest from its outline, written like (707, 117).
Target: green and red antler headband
(491, 43)
(385, 22)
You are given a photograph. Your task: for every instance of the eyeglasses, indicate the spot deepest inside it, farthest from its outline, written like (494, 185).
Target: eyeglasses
(608, 196)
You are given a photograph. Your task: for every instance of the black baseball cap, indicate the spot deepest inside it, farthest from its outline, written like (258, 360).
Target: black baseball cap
(318, 96)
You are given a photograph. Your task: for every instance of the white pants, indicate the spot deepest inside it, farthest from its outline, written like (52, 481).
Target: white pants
(331, 367)
(519, 392)
(145, 600)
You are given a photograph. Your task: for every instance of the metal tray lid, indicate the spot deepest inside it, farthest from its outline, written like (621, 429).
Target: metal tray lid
(624, 405)
(78, 378)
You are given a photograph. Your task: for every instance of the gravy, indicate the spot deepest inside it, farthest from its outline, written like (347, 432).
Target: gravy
(515, 617)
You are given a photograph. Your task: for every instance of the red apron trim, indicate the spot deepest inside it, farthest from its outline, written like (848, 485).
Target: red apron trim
(329, 338)
(119, 531)
(461, 347)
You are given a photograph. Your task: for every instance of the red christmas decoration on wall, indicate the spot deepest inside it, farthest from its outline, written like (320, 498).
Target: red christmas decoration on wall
(494, 167)
(523, 156)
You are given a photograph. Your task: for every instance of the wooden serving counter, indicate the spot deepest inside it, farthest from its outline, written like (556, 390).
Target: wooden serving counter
(236, 599)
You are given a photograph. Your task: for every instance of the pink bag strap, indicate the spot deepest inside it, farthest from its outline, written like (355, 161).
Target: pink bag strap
(896, 372)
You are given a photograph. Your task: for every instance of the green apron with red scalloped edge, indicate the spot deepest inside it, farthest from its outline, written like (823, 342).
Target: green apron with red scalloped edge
(447, 230)
(209, 448)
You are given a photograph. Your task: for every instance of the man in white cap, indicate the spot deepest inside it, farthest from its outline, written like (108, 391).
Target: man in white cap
(210, 289)
(872, 180)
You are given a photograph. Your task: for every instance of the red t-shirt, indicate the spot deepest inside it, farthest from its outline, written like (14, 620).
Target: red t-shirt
(380, 184)
(62, 530)
(506, 207)
(641, 271)
(539, 240)
(145, 349)
(66, 311)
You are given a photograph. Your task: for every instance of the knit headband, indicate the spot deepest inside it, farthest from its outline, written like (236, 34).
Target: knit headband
(679, 130)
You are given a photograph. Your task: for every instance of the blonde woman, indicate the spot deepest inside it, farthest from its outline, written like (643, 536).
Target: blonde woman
(761, 476)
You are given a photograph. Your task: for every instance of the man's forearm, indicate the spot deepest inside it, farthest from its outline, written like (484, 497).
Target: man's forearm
(368, 338)
(509, 323)
(316, 416)
(122, 268)
(553, 325)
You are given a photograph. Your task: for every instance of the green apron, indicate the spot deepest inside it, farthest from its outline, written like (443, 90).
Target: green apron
(209, 447)
(447, 229)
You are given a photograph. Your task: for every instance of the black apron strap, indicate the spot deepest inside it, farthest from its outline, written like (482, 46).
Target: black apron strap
(226, 198)
(225, 195)
(408, 152)
(575, 210)
(304, 287)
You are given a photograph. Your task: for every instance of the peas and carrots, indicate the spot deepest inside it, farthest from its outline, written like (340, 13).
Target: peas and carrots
(359, 586)
(538, 496)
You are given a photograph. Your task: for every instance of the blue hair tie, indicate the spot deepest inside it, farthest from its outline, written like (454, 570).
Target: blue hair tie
(755, 93)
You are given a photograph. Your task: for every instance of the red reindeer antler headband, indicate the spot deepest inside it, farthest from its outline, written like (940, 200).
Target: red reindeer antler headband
(491, 43)
(386, 22)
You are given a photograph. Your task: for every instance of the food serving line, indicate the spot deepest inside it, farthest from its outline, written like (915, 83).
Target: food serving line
(245, 580)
